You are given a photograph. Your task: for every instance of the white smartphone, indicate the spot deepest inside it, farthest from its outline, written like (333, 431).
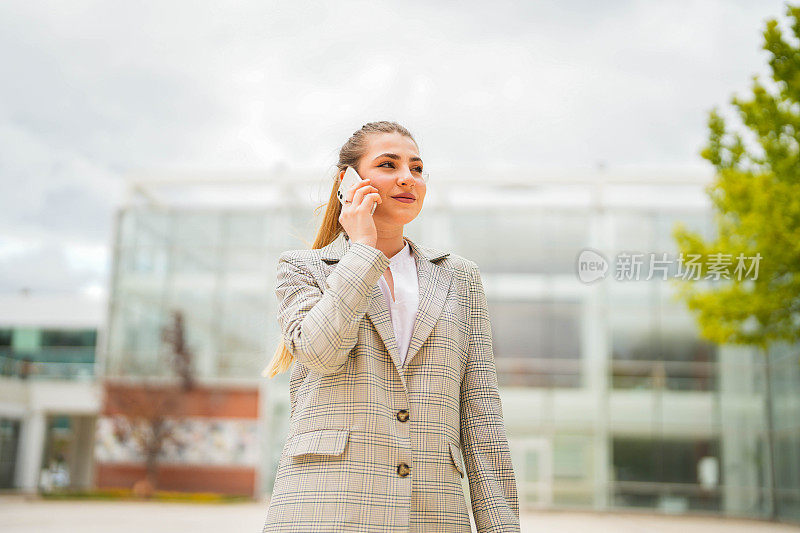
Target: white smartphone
(350, 180)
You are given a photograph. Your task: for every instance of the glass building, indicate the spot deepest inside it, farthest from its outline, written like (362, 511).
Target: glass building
(611, 398)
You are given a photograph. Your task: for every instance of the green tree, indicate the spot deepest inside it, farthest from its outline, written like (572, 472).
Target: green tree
(756, 207)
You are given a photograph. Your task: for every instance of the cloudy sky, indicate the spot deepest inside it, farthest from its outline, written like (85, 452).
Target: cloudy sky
(95, 91)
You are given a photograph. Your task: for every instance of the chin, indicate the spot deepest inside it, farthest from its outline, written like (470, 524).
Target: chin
(401, 218)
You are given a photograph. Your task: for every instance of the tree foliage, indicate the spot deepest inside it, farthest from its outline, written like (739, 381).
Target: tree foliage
(756, 206)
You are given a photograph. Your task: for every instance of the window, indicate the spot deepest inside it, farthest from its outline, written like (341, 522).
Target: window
(536, 343)
(666, 472)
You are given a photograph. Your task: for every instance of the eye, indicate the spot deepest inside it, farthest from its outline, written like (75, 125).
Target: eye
(416, 169)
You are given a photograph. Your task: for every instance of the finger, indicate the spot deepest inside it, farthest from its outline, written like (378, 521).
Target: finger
(373, 194)
(366, 203)
(349, 194)
(358, 197)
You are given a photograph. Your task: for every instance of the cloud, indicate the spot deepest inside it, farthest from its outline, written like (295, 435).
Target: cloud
(95, 90)
(47, 269)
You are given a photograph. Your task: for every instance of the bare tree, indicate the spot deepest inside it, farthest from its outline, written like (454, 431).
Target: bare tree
(149, 414)
(151, 410)
(183, 358)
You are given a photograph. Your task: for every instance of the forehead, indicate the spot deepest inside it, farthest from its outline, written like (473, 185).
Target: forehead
(391, 142)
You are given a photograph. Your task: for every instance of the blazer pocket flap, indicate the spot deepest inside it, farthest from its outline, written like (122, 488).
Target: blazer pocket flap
(320, 441)
(455, 454)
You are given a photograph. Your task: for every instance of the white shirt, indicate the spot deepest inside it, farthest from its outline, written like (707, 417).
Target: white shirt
(403, 309)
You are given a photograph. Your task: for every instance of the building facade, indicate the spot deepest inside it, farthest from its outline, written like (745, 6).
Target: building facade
(611, 398)
(49, 393)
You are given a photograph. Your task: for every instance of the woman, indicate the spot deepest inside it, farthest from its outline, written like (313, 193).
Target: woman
(395, 374)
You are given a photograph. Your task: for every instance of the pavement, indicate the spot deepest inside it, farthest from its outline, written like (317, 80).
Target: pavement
(24, 514)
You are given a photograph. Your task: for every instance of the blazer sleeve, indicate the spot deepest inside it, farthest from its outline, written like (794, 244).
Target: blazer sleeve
(492, 486)
(320, 328)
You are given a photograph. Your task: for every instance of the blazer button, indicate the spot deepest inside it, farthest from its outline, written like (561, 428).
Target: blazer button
(403, 470)
(402, 415)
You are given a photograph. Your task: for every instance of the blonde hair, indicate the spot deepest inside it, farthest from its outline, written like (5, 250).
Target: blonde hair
(349, 156)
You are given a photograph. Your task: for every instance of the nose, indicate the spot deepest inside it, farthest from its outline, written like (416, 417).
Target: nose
(406, 178)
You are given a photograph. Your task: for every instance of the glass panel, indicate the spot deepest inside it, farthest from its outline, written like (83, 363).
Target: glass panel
(9, 442)
(244, 230)
(570, 459)
(665, 223)
(633, 233)
(520, 241)
(215, 267)
(573, 470)
(785, 385)
(243, 333)
(532, 465)
(60, 337)
(26, 340)
(659, 347)
(672, 475)
(536, 344)
(197, 229)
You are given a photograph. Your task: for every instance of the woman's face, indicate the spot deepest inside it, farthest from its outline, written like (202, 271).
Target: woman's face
(394, 167)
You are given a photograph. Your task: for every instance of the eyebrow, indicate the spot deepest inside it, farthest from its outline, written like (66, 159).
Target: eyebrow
(395, 156)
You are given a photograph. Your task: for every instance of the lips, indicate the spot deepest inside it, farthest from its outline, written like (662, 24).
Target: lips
(406, 195)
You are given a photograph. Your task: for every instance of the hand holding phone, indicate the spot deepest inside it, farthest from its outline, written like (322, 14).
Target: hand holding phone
(351, 180)
(356, 195)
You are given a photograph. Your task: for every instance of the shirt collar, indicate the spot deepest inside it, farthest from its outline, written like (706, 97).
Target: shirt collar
(403, 255)
(334, 250)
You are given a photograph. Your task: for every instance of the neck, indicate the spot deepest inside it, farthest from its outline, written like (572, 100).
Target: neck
(390, 242)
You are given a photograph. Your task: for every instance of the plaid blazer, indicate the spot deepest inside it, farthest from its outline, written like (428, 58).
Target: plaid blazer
(375, 444)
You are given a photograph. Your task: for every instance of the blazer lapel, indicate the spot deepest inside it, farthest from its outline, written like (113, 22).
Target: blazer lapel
(434, 284)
